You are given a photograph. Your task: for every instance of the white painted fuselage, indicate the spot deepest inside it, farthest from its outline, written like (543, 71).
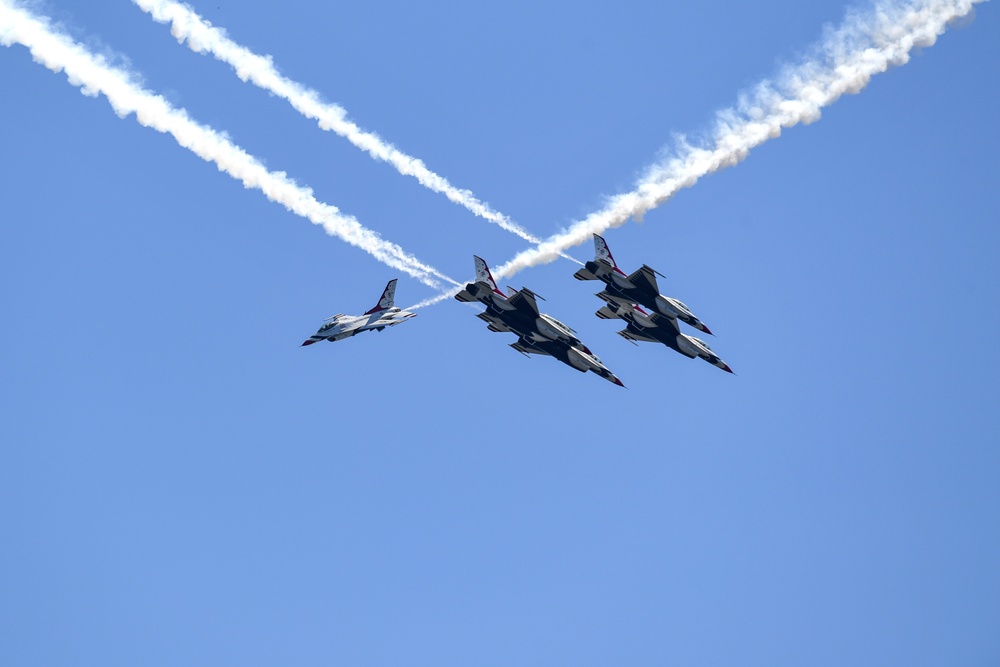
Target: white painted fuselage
(383, 315)
(340, 327)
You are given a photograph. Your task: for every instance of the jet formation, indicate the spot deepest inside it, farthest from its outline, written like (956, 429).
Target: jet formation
(626, 297)
(383, 315)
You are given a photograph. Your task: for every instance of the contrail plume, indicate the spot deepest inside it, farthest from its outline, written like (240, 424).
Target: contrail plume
(95, 76)
(201, 36)
(866, 43)
(438, 298)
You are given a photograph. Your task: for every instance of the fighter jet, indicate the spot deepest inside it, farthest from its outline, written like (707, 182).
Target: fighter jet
(517, 312)
(575, 357)
(383, 315)
(638, 288)
(656, 328)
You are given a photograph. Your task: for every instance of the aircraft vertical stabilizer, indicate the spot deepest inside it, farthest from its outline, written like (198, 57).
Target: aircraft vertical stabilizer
(483, 275)
(601, 251)
(388, 298)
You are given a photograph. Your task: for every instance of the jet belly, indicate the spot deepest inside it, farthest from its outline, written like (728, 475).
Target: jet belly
(654, 328)
(512, 320)
(345, 329)
(574, 357)
(664, 330)
(685, 346)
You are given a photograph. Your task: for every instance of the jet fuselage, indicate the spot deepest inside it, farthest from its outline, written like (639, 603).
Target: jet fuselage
(657, 328)
(574, 357)
(344, 326)
(383, 315)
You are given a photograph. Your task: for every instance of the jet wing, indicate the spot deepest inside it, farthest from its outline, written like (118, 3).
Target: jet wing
(668, 323)
(526, 347)
(607, 313)
(644, 278)
(615, 300)
(494, 323)
(524, 301)
(634, 334)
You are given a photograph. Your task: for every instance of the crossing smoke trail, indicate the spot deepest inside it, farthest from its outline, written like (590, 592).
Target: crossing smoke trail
(201, 36)
(95, 76)
(867, 43)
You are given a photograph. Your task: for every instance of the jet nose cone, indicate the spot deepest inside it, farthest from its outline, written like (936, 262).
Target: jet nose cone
(617, 381)
(308, 342)
(726, 368)
(702, 327)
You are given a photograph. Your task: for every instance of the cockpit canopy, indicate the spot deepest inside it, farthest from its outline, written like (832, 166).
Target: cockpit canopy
(700, 342)
(553, 321)
(331, 322)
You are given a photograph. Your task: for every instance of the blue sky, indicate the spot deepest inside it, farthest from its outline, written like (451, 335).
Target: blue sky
(181, 483)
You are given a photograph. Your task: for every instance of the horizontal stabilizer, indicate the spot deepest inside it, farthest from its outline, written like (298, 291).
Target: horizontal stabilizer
(465, 296)
(584, 274)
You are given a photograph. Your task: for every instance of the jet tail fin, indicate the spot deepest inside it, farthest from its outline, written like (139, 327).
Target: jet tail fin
(483, 275)
(388, 298)
(601, 251)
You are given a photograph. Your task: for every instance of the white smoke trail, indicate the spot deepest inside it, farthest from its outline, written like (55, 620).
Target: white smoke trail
(435, 299)
(867, 43)
(95, 76)
(201, 36)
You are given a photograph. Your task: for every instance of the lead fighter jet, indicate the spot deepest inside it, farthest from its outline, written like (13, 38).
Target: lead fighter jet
(537, 332)
(383, 315)
(655, 328)
(637, 288)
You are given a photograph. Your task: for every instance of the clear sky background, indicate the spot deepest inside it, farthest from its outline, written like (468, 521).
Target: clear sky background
(182, 484)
